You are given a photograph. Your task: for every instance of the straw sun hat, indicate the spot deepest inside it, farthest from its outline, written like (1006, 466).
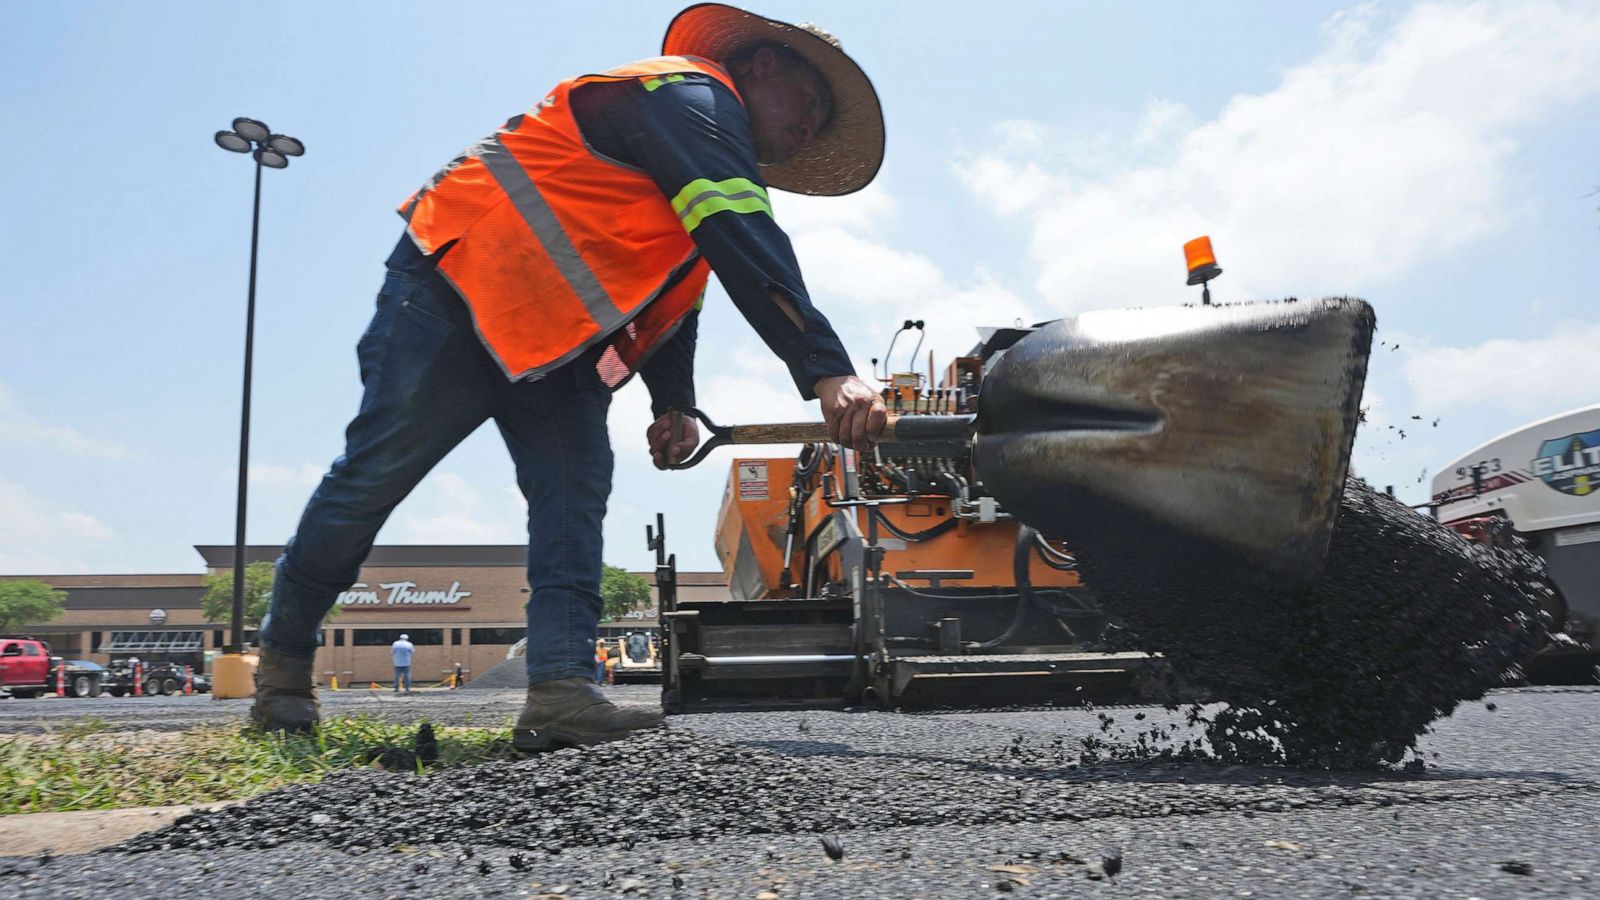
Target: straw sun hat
(846, 155)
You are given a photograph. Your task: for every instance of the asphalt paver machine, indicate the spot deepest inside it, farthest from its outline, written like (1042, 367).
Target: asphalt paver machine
(939, 568)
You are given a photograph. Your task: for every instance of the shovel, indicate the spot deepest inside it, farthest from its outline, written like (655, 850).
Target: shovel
(1223, 432)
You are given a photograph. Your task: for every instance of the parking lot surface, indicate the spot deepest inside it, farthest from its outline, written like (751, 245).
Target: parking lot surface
(948, 804)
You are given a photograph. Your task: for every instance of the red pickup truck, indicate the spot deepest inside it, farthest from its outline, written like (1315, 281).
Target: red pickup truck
(24, 666)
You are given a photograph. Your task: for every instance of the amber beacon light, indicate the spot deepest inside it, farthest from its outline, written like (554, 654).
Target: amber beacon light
(1202, 265)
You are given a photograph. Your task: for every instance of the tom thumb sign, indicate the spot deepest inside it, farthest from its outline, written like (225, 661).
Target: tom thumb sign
(401, 593)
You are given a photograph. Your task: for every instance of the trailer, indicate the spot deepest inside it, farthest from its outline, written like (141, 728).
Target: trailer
(1544, 478)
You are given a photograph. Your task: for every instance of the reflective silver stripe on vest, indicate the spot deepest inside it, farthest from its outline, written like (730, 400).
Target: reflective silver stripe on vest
(525, 196)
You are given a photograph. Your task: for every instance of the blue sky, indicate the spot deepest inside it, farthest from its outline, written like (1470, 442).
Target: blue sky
(1043, 159)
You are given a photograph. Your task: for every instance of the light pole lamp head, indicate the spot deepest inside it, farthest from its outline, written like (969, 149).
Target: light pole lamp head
(286, 145)
(271, 150)
(229, 140)
(272, 159)
(251, 129)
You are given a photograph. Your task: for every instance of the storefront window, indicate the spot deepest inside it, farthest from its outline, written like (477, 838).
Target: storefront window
(383, 637)
(482, 636)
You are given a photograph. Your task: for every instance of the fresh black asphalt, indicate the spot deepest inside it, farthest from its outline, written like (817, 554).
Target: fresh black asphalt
(952, 804)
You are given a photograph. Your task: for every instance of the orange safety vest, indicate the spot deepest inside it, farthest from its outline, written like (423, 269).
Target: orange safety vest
(556, 248)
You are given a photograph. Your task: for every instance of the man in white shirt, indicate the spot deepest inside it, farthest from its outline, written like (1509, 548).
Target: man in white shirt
(401, 650)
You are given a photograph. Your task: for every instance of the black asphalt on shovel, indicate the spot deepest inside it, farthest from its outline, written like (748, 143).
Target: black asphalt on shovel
(1221, 433)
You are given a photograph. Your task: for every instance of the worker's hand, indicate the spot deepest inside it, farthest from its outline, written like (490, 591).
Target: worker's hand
(854, 412)
(663, 449)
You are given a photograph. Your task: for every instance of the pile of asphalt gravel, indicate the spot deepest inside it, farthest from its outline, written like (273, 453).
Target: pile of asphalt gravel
(674, 784)
(509, 675)
(1407, 621)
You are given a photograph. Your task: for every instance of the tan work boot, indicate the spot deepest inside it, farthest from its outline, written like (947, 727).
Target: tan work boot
(572, 712)
(286, 698)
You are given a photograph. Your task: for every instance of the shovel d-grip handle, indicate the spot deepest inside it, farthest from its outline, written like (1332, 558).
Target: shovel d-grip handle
(898, 429)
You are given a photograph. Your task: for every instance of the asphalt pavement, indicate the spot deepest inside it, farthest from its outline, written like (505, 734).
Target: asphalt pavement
(949, 804)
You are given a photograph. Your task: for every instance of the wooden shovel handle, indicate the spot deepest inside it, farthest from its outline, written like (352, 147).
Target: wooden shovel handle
(898, 429)
(781, 433)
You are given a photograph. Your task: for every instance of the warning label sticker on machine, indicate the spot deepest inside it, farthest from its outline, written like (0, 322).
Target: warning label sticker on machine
(753, 479)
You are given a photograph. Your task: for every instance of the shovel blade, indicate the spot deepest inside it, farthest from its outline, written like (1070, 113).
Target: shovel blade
(1223, 431)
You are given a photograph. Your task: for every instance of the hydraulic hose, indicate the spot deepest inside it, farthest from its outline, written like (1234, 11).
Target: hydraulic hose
(912, 536)
(1054, 558)
(1019, 571)
(929, 595)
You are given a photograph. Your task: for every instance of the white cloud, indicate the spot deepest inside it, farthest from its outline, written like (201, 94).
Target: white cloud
(858, 211)
(629, 417)
(1389, 148)
(305, 475)
(1009, 186)
(448, 509)
(748, 398)
(1022, 136)
(83, 525)
(40, 537)
(19, 426)
(1163, 119)
(868, 286)
(1529, 376)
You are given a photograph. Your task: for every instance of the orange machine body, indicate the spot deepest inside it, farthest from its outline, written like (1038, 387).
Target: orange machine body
(752, 533)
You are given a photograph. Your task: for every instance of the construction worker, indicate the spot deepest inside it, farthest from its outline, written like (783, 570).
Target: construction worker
(599, 661)
(539, 271)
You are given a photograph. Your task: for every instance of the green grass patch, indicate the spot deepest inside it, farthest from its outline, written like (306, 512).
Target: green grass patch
(88, 766)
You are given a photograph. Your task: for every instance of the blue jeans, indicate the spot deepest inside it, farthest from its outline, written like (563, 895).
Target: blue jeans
(402, 673)
(428, 384)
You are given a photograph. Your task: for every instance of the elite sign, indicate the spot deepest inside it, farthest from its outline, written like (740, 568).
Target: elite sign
(1570, 464)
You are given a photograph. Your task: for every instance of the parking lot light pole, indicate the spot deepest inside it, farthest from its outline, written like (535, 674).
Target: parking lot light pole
(232, 673)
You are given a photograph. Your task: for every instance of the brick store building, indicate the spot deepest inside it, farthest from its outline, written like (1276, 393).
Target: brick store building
(460, 604)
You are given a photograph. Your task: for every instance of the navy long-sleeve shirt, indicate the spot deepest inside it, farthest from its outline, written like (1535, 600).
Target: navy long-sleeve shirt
(695, 128)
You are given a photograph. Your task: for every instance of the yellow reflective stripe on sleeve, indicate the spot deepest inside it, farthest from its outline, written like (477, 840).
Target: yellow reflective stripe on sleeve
(700, 301)
(703, 197)
(651, 84)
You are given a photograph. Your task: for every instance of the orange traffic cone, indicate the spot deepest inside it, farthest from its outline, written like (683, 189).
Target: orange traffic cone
(61, 679)
(138, 679)
(188, 680)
